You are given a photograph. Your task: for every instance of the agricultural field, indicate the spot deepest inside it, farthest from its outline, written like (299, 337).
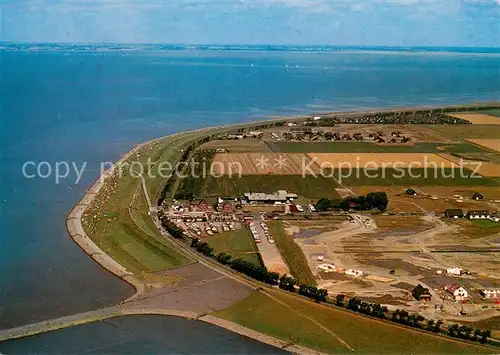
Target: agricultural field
(239, 145)
(484, 168)
(369, 147)
(457, 132)
(235, 164)
(238, 244)
(336, 331)
(477, 118)
(309, 187)
(292, 254)
(411, 177)
(493, 144)
(380, 160)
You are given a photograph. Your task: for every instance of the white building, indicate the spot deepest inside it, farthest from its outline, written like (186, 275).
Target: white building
(478, 214)
(353, 272)
(327, 267)
(457, 292)
(455, 271)
(491, 293)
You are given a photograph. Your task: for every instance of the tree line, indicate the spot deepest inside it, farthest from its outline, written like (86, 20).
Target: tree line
(373, 200)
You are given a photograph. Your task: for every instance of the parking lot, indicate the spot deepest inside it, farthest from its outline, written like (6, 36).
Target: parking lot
(268, 250)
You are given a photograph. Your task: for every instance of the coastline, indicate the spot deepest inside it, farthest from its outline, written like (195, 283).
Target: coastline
(77, 233)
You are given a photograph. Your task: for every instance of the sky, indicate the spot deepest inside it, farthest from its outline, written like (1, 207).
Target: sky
(472, 23)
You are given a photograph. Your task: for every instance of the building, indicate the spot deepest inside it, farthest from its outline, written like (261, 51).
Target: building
(255, 134)
(199, 206)
(353, 272)
(457, 292)
(478, 214)
(454, 213)
(327, 267)
(420, 293)
(455, 271)
(411, 192)
(281, 196)
(494, 217)
(491, 293)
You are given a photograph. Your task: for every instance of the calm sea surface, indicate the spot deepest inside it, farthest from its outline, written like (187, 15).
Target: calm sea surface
(89, 107)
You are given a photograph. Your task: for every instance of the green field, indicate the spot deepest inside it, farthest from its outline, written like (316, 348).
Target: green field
(308, 187)
(456, 132)
(368, 147)
(408, 177)
(303, 322)
(238, 244)
(494, 112)
(124, 230)
(293, 255)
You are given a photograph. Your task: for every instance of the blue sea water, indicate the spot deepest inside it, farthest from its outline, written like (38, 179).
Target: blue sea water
(93, 105)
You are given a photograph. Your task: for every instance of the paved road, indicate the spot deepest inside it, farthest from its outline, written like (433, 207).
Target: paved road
(270, 254)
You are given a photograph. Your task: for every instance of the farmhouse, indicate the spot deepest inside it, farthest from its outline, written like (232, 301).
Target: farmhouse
(420, 293)
(280, 196)
(411, 192)
(457, 292)
(493, 293)
(494, 217)
(454, 213)
(455, 271)
(477, 214)
(255, 134)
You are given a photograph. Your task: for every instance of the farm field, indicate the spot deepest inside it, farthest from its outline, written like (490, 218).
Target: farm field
(456, 132)
(369, 147)
(292, 254)
(400, 202)
(320, 327)
(260, 163)
(310, 187)
(493, 144)
(484, 168)
(239, 145)
(477, 118)
(493, 112)
(238, 244)
(380, 160)
(410, 177)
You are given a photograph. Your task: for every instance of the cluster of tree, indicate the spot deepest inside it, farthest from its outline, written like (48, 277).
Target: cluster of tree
(256, 272)
(202, 247)
(417, 117)
(371, 309)
(317, 294)
(413, 320)
(173, 229)
(372, 200)
(469, 333)
(325, 204)
(288, 283)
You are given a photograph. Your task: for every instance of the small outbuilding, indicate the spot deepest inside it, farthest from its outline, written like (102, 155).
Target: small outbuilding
(477, 196)
(411, 192)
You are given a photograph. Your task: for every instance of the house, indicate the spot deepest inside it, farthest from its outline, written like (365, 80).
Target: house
(420, 293)
(478, 214)
(235, 136)
(255, 134)
(281, 196)
(477, 196)
(220, 150)
(454, 213)
(455, 271)
(457, 292)
(199, 206)
(491, 293)
(353, 272)
(494, 217)
(227, 207)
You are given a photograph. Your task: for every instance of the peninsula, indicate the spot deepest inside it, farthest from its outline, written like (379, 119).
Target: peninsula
(257, 228)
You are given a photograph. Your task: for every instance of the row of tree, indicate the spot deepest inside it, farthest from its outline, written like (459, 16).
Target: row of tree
(469, 333)
(261, 273)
